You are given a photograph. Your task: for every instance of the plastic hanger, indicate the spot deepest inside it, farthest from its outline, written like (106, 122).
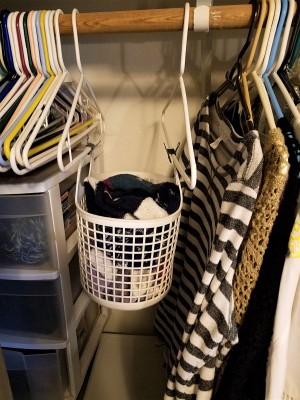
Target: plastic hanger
(4, 58)
(34, 157)
(295, 54)
(277, 79)
(88, 103)
(3, 70)
(190, 181)
(24, 33)
(41, 110)
(246, 106)
(249, 64)
(31, 91)
(11, 78)
(33, 53)
(9, 108)
(16, 62)
(33, 109)
(87, 126)
(285, 37)
(233, 80)
(12, 86)
(273, 53)
(26, 75)
(283, 69)
(257, 79)
(271, 39)
(25, 102)
(49, 99)
(27, 67)
(16, 151)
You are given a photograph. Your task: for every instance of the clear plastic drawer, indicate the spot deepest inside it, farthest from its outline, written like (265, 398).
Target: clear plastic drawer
(27, 237)
(32, 309)
(36, 375)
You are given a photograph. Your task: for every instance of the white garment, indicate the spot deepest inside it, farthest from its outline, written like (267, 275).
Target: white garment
(284, 353)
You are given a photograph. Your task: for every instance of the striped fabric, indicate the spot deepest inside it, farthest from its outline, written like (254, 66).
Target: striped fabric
(195, 320)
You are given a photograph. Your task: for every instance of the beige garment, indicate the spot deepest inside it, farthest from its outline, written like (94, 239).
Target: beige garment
(275, 174)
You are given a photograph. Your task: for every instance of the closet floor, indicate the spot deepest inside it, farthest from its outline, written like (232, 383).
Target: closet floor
(126, 367)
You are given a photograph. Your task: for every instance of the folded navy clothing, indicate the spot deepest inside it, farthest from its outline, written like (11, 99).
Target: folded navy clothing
(129, 196)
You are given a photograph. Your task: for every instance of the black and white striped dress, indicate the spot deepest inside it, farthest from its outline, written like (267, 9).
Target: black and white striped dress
(195, 320)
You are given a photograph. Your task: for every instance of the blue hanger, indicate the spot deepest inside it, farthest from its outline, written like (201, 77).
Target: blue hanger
(7, 45)
(40, 41)
(273, 98)
(12, 76)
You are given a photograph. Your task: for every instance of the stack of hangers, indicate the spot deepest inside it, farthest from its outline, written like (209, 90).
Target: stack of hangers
(45, 114)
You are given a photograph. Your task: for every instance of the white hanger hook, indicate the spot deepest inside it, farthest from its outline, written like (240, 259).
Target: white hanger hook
(58, 12)
(190, 181)
(75, 34)
(184, 37)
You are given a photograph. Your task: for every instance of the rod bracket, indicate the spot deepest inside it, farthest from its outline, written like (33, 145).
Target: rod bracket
(201, 15)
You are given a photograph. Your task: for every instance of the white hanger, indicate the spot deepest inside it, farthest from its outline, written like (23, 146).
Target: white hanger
(67, 142)
(255, 72)
(272, 33)
(190, 181)
(285, 36)
(250, 64)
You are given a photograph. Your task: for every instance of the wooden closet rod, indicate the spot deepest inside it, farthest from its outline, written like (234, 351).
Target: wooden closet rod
(155, 20)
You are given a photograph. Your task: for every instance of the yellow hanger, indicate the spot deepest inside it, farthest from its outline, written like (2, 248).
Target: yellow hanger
(52, 142)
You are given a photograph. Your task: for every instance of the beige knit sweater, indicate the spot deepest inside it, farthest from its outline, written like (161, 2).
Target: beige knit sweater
(275, 174)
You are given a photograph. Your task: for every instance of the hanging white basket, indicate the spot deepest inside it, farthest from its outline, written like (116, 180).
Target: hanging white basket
(126, 264)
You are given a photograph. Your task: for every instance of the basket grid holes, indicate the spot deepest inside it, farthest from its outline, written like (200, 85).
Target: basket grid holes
(126, 265)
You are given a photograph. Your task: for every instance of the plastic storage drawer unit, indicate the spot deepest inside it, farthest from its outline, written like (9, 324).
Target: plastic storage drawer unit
(36, 375)
(32, 309)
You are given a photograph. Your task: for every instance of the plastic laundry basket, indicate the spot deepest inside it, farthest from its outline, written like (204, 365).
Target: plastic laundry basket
(125, 264)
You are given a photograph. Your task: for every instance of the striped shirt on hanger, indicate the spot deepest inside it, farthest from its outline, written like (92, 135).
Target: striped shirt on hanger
(195, 319)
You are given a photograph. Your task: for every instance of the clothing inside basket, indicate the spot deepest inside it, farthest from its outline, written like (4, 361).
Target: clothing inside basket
(131, 197)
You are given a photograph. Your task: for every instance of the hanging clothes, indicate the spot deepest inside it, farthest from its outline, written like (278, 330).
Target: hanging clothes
(284, 350)
(275, 175)
(195, 319)
(244, 377)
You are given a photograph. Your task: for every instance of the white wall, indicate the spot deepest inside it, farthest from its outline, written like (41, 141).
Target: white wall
(132, 76)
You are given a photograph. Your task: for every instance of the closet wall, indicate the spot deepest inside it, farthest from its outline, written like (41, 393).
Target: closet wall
(132, 75)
